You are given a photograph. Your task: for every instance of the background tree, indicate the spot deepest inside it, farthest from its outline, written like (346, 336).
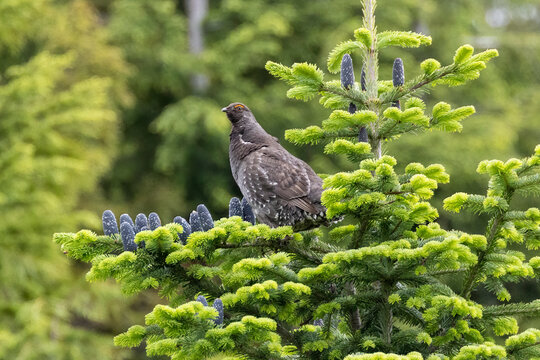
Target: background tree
(61, 84)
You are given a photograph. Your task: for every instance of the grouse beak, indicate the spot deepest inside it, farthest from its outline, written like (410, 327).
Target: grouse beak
(224, 109)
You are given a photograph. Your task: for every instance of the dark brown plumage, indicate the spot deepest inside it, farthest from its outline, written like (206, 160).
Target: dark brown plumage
(281, 189)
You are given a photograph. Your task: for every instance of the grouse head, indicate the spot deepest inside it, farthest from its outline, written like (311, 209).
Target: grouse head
(236, 112)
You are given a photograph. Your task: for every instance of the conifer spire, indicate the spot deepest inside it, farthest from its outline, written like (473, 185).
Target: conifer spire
(370, 55)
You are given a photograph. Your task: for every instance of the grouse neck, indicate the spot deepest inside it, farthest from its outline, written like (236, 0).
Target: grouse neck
(249, 131)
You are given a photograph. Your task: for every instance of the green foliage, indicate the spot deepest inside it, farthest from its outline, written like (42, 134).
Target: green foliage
(347, 47)
(307, 81)
(17, 30)
(375, 287)
(401, 39)
(364, 36)
(61, 84)
(188, 327)
(305, 78)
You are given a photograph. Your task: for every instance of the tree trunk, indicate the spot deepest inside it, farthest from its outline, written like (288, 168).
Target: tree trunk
(196, 11)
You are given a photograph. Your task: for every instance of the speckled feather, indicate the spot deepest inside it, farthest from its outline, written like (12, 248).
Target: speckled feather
(281, 189)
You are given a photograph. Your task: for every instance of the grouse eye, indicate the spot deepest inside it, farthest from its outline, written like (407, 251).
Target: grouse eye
(239, 107)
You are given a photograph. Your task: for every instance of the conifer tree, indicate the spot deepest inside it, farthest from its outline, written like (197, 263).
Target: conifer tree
(385, 283)
(60, 82)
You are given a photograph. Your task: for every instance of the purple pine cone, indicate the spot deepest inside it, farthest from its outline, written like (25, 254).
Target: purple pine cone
(142, 244)
(362, 135)
(247, 212)
(202, 300)
(235, 207)
(187, 229)
(218, 305)
(195, 222)
(398, 77)
(126, 218)
(363, 78)
(398, 73)
(128, 237)
(205, 217)
(140, 222)
(347, 72)
(110, 226)
(154, 221)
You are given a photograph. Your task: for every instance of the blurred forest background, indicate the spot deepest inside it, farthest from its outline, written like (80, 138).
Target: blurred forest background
(115, 104)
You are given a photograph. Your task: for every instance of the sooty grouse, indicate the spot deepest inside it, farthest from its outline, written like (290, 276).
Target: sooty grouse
(281, 189)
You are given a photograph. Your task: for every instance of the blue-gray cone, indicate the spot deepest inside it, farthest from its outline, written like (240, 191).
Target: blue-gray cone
(195, 222)
(202, 300)
(205, 217)
(110, 226)
(218, 305)
(362, 134)
(154, 221)
(140, 222)
(128, 237)
(318, 322)
(247, 212)
(363, 78)
(398, 73)
(398, 77)
(235, 207)
(126, 218)
(187, 229)
(347, 72)
(142, 244)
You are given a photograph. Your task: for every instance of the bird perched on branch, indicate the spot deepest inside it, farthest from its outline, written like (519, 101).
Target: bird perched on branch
(281, 189)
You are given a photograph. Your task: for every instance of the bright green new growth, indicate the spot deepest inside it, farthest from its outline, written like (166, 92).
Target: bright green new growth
(377, 285)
